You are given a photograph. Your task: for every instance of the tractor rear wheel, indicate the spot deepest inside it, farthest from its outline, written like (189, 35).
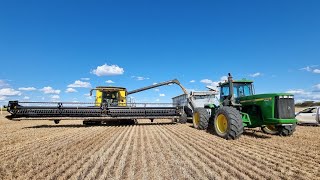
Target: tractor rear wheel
(228, 123)
(279, 130)
(200, 118)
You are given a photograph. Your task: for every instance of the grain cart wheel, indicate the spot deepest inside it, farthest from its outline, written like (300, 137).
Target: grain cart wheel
(183, 118)
(228, 123)
(200, 118)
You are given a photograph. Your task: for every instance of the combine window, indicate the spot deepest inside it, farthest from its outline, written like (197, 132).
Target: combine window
(110, 97)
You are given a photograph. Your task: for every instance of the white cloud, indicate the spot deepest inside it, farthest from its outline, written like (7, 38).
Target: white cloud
(80, 84)
(317, 88)
(255, 74)
(206, 81)
(140, 78)
(154, 83)
(109, 81)
(157, 90)
(316, 71)
(192, 81)
(213, 84)
(85, 79)
(297, 91)
(87, 95)
(2, 98)
(106, 70)
(157, 100)
(3, 83)
(26, 97)
(27, 89)
(311, 69)
(50, 90)
(9, 92)
(71, 90)
(308, 68)
(302, 95)
(55, 97)
(224, 78)
(162, 95)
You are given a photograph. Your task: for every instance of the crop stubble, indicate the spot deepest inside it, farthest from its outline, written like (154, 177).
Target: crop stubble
(40, 149)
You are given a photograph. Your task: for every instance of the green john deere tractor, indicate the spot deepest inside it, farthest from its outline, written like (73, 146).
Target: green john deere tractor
(240, 107)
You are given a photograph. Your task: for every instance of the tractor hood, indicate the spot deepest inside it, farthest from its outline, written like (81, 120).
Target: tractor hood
(261, 97)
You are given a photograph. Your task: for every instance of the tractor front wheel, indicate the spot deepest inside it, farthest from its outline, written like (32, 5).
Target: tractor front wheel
(200, 118)
(228, 123)
(279, 130)
(270, 129)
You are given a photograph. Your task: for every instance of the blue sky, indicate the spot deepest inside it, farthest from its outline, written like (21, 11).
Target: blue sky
(47, 47)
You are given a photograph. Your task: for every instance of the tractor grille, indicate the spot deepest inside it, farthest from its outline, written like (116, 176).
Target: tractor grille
(284, 107)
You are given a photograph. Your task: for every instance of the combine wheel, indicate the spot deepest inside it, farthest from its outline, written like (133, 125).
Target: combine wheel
(56, 121)
(228, 123)
(200, 118)
(183, 118)
(92, 123)
(279, 130)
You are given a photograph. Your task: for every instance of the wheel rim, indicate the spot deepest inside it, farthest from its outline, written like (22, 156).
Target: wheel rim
(222, 123)
(271, 127)
(196, 119)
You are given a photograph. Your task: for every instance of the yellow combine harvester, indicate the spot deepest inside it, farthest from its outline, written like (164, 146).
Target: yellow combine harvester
(110, 104)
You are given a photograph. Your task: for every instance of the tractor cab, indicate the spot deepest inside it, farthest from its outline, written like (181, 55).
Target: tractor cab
(241, 88)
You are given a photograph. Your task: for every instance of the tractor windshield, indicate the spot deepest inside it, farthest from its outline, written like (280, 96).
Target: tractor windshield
(240, 90)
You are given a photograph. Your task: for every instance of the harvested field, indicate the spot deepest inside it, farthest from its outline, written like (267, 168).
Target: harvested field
(69, 150)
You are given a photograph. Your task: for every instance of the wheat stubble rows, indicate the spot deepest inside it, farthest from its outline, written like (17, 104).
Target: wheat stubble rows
(41, 150)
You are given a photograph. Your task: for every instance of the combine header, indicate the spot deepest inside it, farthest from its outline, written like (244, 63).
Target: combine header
(110, 104)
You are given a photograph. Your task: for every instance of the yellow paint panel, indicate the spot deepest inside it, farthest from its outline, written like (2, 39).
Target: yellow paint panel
(98, 97)
(122, 98)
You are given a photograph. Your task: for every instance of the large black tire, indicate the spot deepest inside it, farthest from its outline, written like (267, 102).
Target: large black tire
(92, 123)
(228, 123)
(183, 118)
(188, 111)
(270, 129)
(200, 118)
(279, 130)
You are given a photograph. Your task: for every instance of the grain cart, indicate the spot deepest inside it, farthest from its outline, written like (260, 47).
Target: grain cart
(110, 105)
(199, 99)
(240, 107)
